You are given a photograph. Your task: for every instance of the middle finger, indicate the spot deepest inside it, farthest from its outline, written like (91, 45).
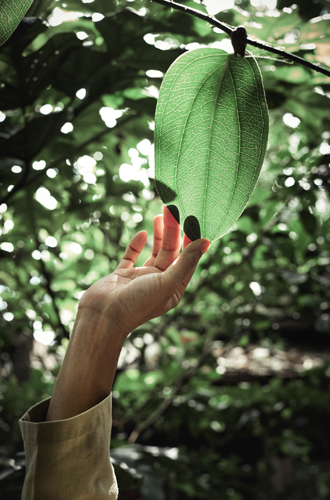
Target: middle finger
(171, 241)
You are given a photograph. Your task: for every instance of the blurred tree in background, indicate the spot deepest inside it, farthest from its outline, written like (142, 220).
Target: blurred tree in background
(228, 395)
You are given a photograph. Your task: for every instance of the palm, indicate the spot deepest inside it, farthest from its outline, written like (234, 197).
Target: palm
(136, 294)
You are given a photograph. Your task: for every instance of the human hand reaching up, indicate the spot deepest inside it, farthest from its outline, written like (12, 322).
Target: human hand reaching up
(117, 304)
(130, 295)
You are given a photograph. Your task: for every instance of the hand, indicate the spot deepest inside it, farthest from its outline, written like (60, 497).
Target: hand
(130, 295)
(114, 306)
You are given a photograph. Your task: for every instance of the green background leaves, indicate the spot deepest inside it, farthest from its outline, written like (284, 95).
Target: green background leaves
(236, 379)
(211, 130)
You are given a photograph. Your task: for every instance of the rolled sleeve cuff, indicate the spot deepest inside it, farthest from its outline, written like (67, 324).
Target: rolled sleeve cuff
(68, 459)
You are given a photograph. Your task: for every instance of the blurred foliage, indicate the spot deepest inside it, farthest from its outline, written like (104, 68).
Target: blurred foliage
(207, 400)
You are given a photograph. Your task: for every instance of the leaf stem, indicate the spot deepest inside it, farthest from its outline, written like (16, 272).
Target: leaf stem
(255, 43)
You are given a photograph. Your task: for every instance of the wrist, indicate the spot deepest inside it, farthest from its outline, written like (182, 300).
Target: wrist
(89, 366)
(98, 328)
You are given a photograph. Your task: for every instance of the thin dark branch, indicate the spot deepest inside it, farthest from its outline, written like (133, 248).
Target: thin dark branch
(287, 55)
(183, 378)
(62, 158)
(255, 43)
(64, 332)
(19, 185)
(27, 181)
(197, 13)
(48, 279)
(83, 145)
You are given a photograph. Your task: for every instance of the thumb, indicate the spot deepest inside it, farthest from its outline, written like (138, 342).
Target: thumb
(182, 269)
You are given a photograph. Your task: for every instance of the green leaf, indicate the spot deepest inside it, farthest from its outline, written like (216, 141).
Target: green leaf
(211, 130)
(11, 14)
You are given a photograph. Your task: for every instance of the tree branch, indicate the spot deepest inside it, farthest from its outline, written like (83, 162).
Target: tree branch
(28, 180)
(179, 383)
(64, 332)
(46, 274)
(255, 43)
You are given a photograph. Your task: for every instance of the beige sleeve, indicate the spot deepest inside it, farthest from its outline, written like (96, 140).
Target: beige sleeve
(68, 459)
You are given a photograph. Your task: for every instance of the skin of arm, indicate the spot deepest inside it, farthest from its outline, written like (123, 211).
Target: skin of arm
(116, 305)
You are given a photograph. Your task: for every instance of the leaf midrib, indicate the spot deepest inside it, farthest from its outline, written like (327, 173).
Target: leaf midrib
(239, 145)
(210, 135)
(188, 116)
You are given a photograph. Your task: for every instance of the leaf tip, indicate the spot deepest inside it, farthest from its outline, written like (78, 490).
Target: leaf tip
(192, 228)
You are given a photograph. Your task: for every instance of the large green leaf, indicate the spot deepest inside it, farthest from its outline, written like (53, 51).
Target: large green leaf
(211, 130)
(11, 14)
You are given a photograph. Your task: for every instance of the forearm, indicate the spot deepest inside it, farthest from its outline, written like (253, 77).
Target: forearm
(89, 366)
(68, 454)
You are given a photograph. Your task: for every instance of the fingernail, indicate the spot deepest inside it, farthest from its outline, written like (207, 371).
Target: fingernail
(205, 246)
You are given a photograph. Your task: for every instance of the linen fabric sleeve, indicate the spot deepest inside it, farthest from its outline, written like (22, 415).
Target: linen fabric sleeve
(68, 459)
